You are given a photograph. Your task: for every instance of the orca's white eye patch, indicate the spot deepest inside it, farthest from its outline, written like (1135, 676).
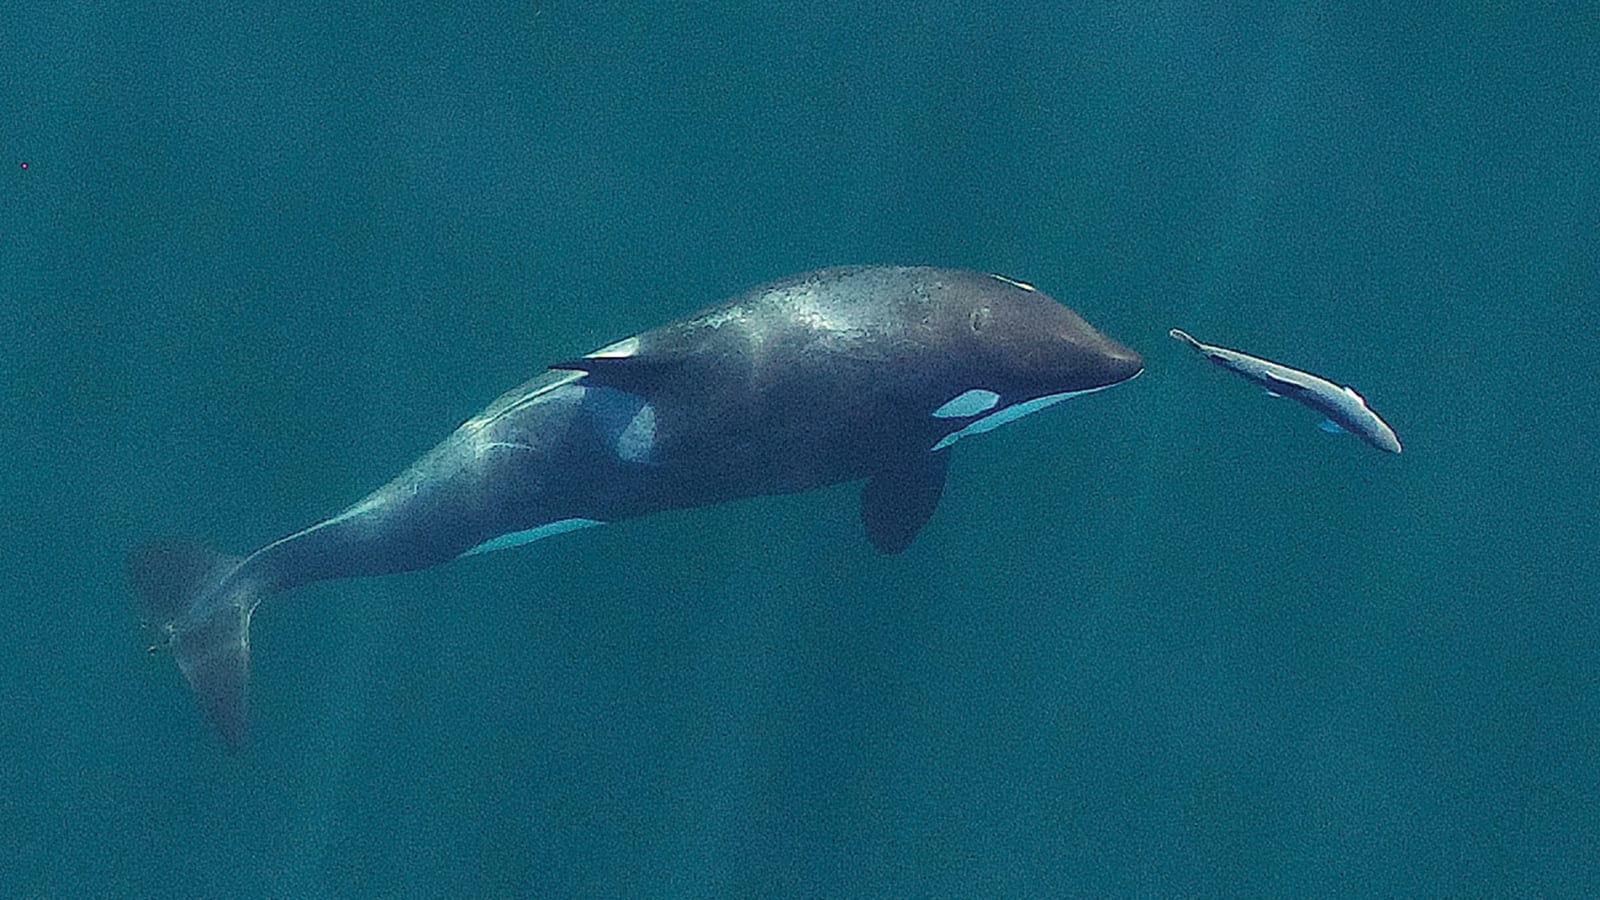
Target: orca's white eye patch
(967, 403)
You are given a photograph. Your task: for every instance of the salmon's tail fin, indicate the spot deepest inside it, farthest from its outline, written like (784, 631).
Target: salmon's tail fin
(201, 612)
(1184, 336)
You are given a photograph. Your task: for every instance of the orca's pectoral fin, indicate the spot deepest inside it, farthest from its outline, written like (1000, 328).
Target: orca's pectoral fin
(637, 375)
(898, 501)
(205, 624)
(1330, 426)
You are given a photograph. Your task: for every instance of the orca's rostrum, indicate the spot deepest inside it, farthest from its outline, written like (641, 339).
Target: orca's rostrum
(825, 377)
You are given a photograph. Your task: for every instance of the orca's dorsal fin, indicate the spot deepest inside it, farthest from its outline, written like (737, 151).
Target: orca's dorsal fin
(638, 375)
(899, 500)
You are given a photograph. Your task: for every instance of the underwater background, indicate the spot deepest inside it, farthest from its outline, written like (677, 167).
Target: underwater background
(1167, 640)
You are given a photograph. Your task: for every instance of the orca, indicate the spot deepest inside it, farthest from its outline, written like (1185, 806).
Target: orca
(842, 374)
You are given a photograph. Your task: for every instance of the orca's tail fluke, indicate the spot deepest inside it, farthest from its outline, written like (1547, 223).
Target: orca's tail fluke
(201, 612)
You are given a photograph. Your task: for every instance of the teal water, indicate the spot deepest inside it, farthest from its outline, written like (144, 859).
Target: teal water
(1168, 640)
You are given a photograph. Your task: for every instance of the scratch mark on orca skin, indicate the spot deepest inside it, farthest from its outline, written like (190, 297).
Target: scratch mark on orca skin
(486, 446)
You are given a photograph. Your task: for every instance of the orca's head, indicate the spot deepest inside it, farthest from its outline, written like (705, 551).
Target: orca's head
(1035, 346)
(1020, 351)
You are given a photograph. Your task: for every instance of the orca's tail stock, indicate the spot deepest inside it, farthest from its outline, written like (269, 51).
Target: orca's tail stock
(201, 611)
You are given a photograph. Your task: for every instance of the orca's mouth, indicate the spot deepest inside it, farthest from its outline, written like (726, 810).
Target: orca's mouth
(1122, 364)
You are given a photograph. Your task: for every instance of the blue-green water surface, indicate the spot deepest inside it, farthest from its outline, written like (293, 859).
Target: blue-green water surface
(1167, 640)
